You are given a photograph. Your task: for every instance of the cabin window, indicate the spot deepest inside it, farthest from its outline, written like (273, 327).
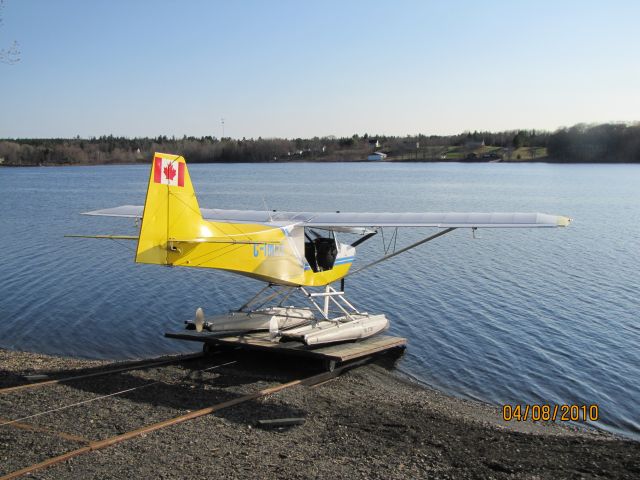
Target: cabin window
(320, 250)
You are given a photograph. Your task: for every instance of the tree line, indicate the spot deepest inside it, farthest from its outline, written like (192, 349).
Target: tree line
(614, 143)
(606, 143)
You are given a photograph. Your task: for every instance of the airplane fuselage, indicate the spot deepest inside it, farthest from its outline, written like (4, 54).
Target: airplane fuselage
(284, 256)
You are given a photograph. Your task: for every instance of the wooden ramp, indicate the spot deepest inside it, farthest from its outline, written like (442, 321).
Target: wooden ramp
(332, 355)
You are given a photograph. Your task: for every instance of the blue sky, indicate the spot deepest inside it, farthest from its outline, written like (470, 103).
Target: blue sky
(301, 69)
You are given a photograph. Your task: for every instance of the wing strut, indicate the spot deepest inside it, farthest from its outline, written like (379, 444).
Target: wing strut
(364, 238)
(402, 250)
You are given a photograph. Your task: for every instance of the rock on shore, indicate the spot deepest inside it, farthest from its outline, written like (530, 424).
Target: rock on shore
(367, 423)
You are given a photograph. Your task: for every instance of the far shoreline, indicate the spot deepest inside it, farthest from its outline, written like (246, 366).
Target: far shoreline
(457, 162)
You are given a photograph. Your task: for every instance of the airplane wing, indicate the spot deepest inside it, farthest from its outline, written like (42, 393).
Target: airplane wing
(348, 220)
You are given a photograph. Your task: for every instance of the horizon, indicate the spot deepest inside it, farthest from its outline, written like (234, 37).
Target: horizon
(363, 135)
(147, 69)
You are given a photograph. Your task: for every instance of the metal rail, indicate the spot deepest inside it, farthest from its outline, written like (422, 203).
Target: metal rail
(100, 373)
(101, 397)
(107, 442)
(34, 428)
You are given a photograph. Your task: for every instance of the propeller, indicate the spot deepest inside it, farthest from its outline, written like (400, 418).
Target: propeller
(199, 321)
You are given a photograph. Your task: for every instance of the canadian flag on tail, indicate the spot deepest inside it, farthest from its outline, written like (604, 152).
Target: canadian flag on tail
(168, 172)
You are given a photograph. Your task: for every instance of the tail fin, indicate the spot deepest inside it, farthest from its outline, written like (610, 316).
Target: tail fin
(170, 211)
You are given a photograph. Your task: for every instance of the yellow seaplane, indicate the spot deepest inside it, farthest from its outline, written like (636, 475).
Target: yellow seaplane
(293, 252)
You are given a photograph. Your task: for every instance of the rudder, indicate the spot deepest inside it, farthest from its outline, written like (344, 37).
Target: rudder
(171, 209)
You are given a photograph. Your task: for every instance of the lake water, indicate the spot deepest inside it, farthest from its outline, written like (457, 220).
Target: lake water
(515, 316)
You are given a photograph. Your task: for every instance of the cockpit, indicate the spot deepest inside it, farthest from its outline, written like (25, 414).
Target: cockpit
(320, 249)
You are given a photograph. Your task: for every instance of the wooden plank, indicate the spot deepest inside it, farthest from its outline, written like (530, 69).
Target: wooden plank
(350, 351)
(340, 352)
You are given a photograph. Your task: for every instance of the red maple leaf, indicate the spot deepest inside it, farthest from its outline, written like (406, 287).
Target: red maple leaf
(169, 171)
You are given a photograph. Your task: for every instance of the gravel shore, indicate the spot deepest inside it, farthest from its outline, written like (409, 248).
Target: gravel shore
(367, 423)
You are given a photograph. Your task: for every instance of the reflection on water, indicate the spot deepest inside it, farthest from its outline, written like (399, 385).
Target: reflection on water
(545, 316)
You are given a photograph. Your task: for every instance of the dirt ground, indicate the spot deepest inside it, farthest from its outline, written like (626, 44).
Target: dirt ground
(366, 423)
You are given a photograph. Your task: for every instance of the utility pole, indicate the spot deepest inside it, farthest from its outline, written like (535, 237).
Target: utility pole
(222, 122)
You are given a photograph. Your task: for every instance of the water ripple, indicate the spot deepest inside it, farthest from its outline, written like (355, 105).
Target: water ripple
(516, 316)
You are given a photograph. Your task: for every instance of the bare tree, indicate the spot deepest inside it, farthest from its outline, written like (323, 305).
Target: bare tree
(11, 54)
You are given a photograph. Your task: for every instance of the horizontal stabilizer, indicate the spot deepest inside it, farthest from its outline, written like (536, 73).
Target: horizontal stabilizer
(108, 237)
(225, 240)
(129, 211)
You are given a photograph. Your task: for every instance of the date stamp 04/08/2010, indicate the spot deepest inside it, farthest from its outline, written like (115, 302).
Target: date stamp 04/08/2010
(547, 412)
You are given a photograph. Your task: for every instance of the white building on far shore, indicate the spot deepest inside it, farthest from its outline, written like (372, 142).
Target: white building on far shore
(377, 156)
